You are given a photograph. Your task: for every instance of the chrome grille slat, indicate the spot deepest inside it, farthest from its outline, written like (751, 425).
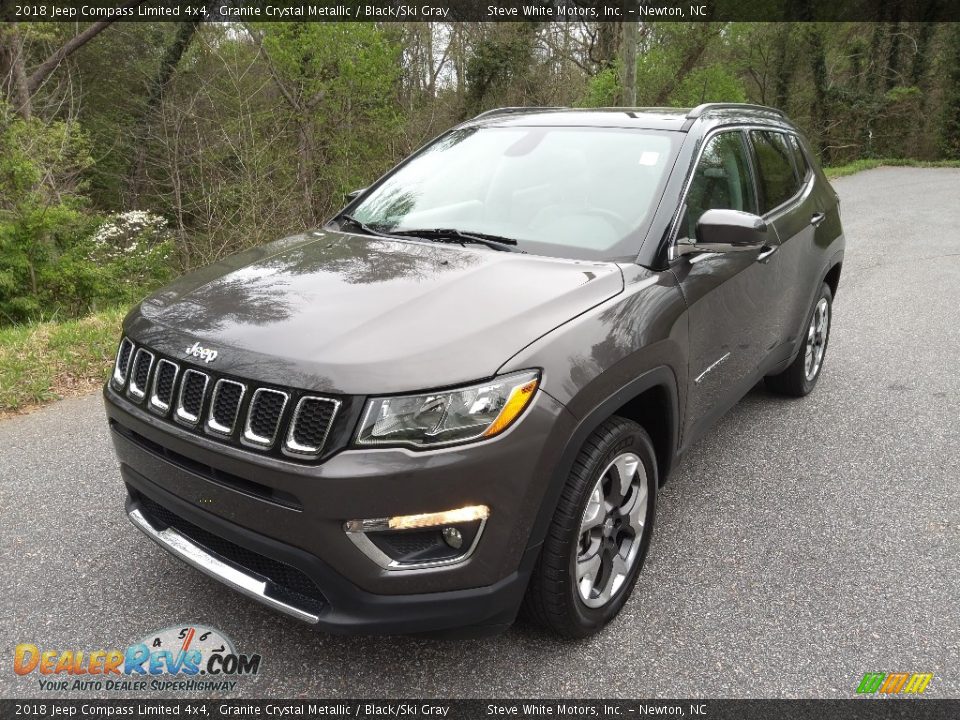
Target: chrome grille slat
(225, 403)
(189, 392)
(162, 387)
(310, 426)
(122, 363)
(263, 417)
(140, 377)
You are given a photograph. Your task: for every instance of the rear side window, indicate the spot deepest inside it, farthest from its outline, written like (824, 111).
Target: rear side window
(721, 180)
(777, 179)
(799, 159)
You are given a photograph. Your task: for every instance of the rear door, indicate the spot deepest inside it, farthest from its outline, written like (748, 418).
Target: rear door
(785, 182)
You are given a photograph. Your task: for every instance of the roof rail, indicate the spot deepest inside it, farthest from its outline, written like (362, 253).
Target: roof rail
(706, 107)
(508, 110)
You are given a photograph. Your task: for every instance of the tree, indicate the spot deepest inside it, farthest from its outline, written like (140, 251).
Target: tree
(23, 85)
(630, 64)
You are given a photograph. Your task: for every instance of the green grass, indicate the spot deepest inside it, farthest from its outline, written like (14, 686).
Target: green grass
(41, 362)
(871, 163)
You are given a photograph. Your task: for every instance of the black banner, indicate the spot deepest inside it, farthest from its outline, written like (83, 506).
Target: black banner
(854, 709)
(481, 10)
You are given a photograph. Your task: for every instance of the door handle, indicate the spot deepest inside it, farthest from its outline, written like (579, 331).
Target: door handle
(817, 218)
(766, 252)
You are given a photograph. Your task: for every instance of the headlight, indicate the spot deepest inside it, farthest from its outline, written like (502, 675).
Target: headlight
(451, 416)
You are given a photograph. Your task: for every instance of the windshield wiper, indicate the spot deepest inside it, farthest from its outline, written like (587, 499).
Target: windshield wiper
(452, 235)
(361, 226)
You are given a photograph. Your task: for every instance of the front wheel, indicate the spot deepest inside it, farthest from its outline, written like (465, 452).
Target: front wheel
(801, 376)
(598, 539)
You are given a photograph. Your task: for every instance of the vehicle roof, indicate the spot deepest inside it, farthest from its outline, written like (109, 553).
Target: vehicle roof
(648, 118)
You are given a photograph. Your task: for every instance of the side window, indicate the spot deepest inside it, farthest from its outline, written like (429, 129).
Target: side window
(799, 159)
(778, 182)
(721, 180)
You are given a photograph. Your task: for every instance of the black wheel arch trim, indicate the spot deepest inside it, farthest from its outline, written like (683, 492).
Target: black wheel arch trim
(662, 377)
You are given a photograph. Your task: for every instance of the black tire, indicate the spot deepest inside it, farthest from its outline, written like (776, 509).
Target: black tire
(794, 381)
(553, 599)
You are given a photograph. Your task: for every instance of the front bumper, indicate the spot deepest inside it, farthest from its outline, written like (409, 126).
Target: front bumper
(237, 516)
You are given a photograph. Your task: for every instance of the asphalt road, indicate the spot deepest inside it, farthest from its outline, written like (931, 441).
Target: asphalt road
(801, 544)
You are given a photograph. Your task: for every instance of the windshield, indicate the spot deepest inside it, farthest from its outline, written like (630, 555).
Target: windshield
(572, 192)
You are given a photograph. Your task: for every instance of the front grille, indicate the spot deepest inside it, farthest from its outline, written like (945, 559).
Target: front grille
(310, 425)
(225, 406)
(163, 381)
(266, 407)
(142, 362)
(265, 423)
(192, 392)
(123, 362)
(285, 582)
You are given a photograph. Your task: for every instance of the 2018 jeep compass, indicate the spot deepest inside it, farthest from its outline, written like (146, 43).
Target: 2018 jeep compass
(462, 395)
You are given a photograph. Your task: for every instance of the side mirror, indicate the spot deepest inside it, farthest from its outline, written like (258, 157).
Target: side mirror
(721, 231)
(354, 194)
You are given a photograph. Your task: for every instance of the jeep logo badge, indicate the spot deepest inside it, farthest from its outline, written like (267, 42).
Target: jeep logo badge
(205, 354)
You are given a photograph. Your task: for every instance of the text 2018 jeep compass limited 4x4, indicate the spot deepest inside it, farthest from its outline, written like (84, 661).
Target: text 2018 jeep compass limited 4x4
(460, 397)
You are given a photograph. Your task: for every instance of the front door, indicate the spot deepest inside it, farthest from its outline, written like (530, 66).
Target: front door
(732, 297)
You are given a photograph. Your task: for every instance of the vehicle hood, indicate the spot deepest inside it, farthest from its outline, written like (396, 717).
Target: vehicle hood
(352, 314)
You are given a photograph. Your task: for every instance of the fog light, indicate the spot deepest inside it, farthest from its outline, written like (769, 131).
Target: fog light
(452, 537)
(425, 540)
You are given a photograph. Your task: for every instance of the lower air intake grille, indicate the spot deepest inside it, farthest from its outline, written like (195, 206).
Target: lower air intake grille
(287, 583)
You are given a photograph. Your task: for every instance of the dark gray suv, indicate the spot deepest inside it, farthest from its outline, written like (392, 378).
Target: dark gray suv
(460, 398)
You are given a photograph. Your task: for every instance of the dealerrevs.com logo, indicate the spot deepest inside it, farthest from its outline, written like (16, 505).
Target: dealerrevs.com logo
(190, 657)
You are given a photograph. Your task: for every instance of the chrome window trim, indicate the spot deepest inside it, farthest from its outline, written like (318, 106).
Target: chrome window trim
(181, 414)
(134, 390)
(294, 449)
(744, 129)
(155, 403)
(251, 438)
(212, 425)
(119, 379)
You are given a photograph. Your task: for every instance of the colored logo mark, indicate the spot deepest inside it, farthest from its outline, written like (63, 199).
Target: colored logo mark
(894, 683)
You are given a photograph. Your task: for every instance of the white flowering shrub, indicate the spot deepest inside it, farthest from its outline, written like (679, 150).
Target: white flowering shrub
(131, 234)
(128, 255)
(135, 248)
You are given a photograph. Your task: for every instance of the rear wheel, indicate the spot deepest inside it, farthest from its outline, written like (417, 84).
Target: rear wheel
(598, 539)
(802, 374)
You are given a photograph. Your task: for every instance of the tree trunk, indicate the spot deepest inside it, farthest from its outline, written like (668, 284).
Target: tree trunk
(629, 97)
(305, 170)
(784, 68)
(689, 62)
(12, 68)
(818, 67)
(606, 49)
(43, 71)
(168, 65)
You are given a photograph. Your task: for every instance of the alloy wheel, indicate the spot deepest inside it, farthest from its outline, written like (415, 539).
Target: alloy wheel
(611, 530)
(817, 339)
